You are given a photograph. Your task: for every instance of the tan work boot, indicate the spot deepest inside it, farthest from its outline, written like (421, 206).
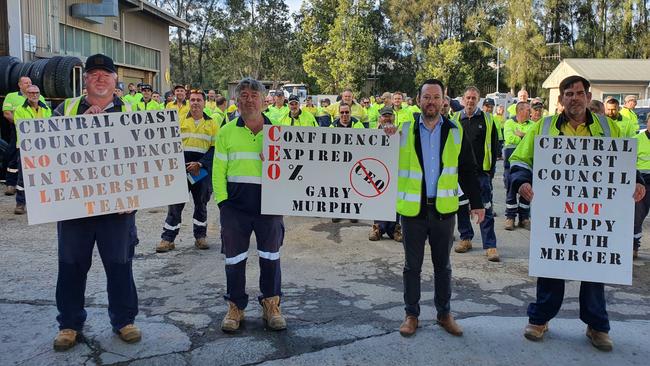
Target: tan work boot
(492, 254)
(165, 246)
(130, 333)
(525, 224)
(409, 326)
(600, 340)
(201, 243)
(534, 332)
(19, 210)
(271, 313)
(448, 323)
(66, 339)
(509, 224)
(463, 246)
(10, 190)
(397, 234)
(375, 234)
(234, 316)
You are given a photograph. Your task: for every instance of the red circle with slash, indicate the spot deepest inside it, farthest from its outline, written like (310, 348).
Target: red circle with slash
(369, 177)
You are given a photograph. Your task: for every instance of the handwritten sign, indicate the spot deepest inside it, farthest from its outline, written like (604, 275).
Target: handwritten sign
(91, 165)
(582, 212)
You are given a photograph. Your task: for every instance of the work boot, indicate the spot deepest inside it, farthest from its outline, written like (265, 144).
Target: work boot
(66, 339)
(509, 224)
(10, 190)
(397, 234)
(201, 243)
(354, 221)
(165, 246)
(492, 254)
(600, 340)
(409, 326)
(271, 313)
(130, 333)
(534, 332)
(635, 254)
(375, 233)
(336, 220)
(463, 246)
(19, 210)
(524, 224)
(448, 323)
(234, 316)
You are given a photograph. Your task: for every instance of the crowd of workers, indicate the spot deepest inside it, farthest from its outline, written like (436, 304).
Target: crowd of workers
(446, 144)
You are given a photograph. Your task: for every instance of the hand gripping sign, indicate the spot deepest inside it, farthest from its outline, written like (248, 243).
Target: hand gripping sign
(329, 172)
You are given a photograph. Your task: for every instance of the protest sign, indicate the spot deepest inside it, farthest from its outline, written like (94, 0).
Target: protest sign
(583, 212)
(89, 165)
(330, 172)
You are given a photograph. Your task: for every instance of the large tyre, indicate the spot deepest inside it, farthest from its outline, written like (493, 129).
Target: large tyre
(63, 77)
(6, 65)
(37, 71)
(49, 77)
(14, 76)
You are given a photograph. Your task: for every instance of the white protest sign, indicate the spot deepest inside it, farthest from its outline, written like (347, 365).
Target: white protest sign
(330, 172)
(89, 165)
(583, 212)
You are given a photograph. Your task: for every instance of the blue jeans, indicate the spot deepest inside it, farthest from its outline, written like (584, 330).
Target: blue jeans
(487, 226)
(550, 293)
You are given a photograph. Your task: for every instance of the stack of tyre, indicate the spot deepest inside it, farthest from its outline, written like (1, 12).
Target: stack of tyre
(52, 75)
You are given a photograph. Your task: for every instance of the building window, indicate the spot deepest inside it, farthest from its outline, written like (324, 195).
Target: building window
(78, 42)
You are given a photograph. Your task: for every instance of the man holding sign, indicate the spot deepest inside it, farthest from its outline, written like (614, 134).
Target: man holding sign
(115, 234)
(575, 120)
(237, 182)
(434, 159)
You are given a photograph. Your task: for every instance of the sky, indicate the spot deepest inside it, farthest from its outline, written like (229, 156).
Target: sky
(294, 5)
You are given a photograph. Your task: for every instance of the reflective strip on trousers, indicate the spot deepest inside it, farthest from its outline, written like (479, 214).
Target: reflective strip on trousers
(524, 206)
(10, 170)
(199, 223)
(410, 197)
(638, 236)
(244, 179)
(169, 227)
(236, 259)
(272, 256)
(511, 206)
(19, 188)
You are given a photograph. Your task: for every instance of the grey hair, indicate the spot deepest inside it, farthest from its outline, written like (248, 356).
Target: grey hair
(251, 84)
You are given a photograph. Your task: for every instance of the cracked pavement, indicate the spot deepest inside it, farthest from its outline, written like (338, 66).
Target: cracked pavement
(342, 297)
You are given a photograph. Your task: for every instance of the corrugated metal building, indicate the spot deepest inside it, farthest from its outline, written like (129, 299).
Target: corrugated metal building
(134, 33)
(608, 77)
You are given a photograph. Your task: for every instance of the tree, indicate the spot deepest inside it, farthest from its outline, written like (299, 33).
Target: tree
(445, 62)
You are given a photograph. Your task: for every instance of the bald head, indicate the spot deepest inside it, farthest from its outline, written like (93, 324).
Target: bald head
(522, 95)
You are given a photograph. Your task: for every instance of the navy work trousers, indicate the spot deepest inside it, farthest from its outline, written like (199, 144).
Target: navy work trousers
(487, 226)
(641, 209)
(236, 230)
(201, 192)
(550, 294)
(116, 238)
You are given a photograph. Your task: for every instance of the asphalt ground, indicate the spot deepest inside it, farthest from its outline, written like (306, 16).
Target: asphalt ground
(342, 297)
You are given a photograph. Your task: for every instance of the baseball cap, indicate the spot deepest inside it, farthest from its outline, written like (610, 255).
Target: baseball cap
(537, 105)
(145, 86)
(488, 101)
(278, 93)
(178, 86)
(386, 110)
(100, 61)
(455, 105)
(293, 98)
